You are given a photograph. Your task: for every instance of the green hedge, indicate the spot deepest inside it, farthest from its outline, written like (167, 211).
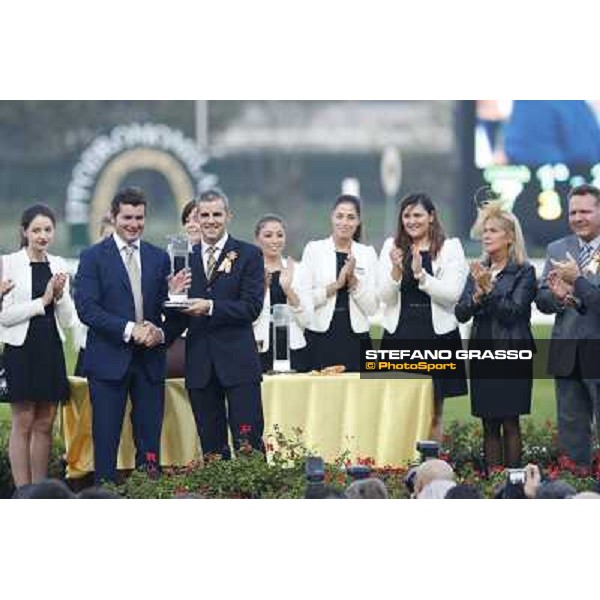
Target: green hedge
(250, 476)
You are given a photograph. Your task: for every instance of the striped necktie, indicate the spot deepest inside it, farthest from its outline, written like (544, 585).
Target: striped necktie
(211, 261)
(585, 256)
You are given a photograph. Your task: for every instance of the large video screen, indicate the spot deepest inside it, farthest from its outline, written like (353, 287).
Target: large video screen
(532, 151)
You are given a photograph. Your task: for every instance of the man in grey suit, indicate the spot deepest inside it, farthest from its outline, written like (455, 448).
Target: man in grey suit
(570, 288)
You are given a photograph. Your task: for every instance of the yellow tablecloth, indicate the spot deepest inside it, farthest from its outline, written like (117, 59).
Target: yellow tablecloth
(378, 418)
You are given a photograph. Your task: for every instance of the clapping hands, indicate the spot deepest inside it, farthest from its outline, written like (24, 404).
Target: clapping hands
(54, 288)
(483, 280)
(286, 276)
(397, 258)
(347, 276)
(561, 290)
(568, 270)
(561, 278)
(59, 282)
(417, 263)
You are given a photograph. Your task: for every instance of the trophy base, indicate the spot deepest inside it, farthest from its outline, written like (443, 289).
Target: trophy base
(180, 302)
(281, 372)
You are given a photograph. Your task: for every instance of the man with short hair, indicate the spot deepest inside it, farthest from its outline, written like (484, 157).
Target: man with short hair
(221, 357)
(570, 288)
(120, 287)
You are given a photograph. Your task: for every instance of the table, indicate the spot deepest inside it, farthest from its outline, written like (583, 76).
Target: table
(377, 418)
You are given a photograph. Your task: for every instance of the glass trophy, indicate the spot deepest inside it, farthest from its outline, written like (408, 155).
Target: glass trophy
(281, 338)
(179, 250)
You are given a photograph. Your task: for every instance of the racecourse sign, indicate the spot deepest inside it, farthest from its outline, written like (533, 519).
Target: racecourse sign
(127, 148)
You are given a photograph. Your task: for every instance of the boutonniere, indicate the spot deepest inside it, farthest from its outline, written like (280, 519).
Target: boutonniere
(227, 262)
(594, 263)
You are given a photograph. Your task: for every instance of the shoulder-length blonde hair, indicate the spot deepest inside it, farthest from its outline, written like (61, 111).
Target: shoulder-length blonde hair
(509, 223)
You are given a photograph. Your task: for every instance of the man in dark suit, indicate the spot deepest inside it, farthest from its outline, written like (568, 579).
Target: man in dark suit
(120, 287)
(570, 288)
(221, 357)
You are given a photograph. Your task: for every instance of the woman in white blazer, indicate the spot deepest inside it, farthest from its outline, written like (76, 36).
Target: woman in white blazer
(33, 317)
(341, 275)
(420, 278)
(284, 284)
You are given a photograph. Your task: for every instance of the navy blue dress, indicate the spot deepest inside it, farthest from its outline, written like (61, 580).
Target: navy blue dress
(36, 371)
(415, 323)
(339, 345)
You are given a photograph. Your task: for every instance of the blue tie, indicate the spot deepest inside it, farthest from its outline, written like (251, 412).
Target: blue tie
(585, 256)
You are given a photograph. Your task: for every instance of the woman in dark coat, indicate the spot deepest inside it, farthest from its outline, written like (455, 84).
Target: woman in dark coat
(498, 296)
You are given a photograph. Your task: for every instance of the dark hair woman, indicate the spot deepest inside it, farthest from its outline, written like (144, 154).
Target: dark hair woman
(33, 317)
(284, 284)
(421, 275)
(341, 276)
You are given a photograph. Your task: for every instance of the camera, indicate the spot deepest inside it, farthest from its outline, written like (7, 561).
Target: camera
(515, 476)
(409, 480)
(428, 449)
(314, 470)
(514, 486)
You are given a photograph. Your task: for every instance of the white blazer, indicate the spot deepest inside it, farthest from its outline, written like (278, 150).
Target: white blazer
(301, 315)
(320, 266)
(450, 271)
(18, 307)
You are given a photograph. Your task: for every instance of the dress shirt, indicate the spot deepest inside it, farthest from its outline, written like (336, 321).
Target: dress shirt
(121, 246)
(217, 254)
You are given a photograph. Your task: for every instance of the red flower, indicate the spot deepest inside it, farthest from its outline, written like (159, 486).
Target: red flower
(565, 463)
(244, 429)
(150, 457)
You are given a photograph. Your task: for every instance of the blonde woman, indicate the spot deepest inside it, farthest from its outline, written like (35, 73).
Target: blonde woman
(33, 317)
(498, 296)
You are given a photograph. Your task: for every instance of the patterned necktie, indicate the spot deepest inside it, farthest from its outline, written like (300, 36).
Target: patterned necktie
(585, 256)
(135, 278)
(211, 261)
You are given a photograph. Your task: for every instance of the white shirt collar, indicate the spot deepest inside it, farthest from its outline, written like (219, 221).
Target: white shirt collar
(218, 246)
(595, 243)
(121, 243)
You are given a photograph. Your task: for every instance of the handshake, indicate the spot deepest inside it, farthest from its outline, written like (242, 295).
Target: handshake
(147, 334)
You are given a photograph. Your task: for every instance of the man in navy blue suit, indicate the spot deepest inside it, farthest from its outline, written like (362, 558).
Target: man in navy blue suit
(120, 287)
(221, 358)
